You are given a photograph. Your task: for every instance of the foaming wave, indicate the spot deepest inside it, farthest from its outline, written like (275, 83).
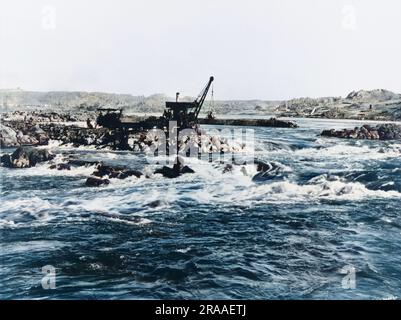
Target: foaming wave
(52, 144)
(137, 221)
(317, 189)
(31, 204)
(30, 210)
(357, 151)
(126, 201)
(44, 170)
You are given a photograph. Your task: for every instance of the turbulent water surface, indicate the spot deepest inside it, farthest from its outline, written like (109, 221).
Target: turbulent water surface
(329, 204)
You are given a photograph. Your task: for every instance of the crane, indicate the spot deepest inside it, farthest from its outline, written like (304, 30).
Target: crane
(186, 113)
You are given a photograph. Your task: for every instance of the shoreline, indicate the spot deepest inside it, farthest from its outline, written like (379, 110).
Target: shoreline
(27, 128)
(268, 116)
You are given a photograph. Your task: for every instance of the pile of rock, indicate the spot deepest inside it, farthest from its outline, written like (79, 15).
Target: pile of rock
(388, 131)
(37, 128)
(12, 136)
(103, 173)
(39, 116)
(77, 136)
(8, 137)
(25, 157)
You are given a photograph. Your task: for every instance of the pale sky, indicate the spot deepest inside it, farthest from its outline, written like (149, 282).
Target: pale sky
(255, 49)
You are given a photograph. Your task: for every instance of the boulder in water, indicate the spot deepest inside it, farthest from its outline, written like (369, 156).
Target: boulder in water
(5, 160)
(177, 170)
(26, 157)
(129, 173)
(82, 163)
(115, 172)
(8, 137)
(267, 170)
(96, 182)
(387, 131)
(61, 166)
(228, 168)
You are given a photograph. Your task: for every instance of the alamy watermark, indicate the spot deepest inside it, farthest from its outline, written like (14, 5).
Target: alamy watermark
(49, 18)
(228, 146)
(49, 279)
(349, 18)
(349, 280)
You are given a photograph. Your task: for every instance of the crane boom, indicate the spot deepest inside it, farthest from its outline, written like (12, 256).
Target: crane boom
(201, 98)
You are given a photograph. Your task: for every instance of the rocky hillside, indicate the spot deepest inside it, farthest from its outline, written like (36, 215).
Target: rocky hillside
(373, 95)
(375, 105)
(369, 105)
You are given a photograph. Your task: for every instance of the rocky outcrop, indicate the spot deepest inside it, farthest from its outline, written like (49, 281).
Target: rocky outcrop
(77, 136)
(8, 137)
(177, 170)
(115, 172)
(97, 177)
(387, 131)
(376, 104)
(373, 95)
(36, 129)
(26, 157)
(22, 134)
(96, 182)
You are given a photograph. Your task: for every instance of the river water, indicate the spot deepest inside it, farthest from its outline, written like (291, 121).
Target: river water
(332, 208)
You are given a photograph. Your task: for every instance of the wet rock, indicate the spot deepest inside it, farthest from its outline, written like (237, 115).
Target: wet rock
(115, 172)
(262, 166)
(388, 131)
(187, 169)
(61, 166)
(82, 163)
(8, 137)
(156, 203)
(5, 160)
(129, 173)
(177, 170)
(228, 168)
(267, 170)
(26, 157)
(167, 172)
(96, 182)
(26, 133)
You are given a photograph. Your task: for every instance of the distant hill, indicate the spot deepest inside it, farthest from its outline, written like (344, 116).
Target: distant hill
(12, 99)
(377, 104)
(17, 99)
(374, 95)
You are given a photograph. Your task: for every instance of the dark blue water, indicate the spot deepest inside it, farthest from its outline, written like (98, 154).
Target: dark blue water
(332, 204)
